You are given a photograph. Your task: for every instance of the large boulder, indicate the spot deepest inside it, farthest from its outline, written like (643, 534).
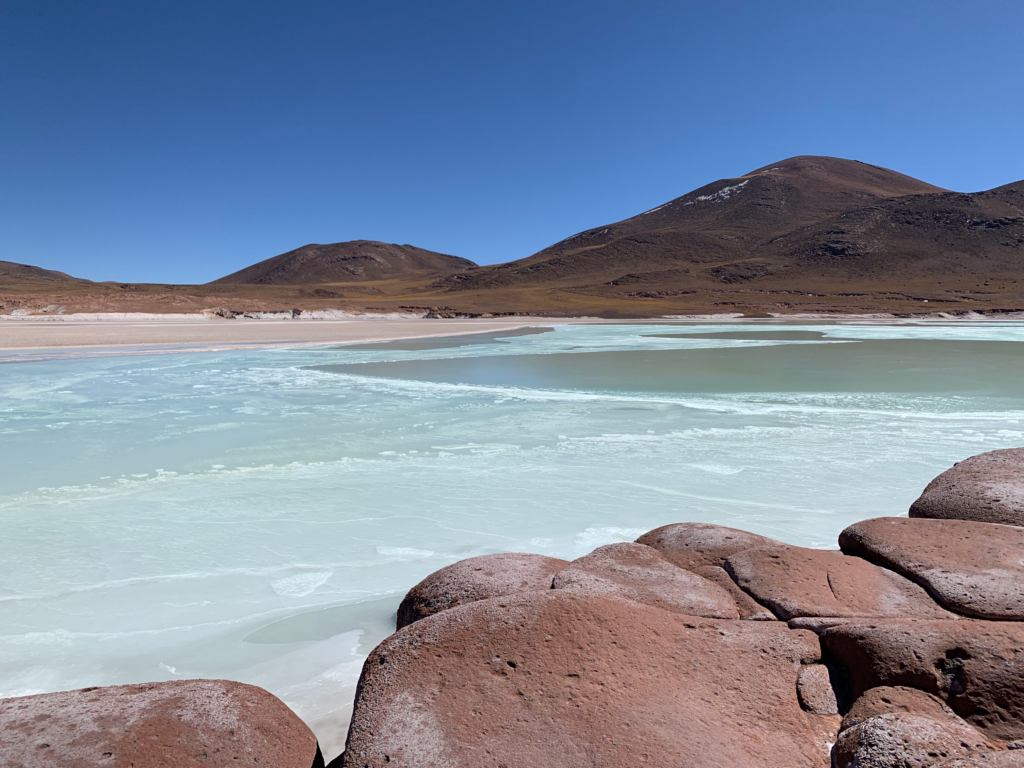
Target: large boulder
(577, 678)
(890, 700)
(988, 488)
(178, 724)
(975, 667)
(976, 569)
(794, 582)
(903, 740)
(477, 578)
(697, 545)
(637, 572)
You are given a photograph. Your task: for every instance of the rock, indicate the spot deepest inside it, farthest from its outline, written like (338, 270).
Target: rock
(697, 545)
(636, 572)
(747, 606)
(794, 581)
(814, 687)
(477, 578)
(976, 569)
(1004, 759)
(816, 624)
(888, 700)
(987, 488)
(903, 740)
(577, 678)
(975, 667)
(179, 724)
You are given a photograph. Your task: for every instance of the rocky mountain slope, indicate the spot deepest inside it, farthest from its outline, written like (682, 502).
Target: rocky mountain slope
(353, 261)
(802, 222)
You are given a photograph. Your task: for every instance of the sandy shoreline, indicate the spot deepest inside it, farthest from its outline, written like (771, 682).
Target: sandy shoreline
(38, 340)
(48, 338)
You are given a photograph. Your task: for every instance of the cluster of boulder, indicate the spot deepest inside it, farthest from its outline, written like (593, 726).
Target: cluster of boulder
(695, 646)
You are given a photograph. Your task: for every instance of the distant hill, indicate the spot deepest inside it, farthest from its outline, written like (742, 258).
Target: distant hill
(798, 219)
(13, 272)
(354, 261)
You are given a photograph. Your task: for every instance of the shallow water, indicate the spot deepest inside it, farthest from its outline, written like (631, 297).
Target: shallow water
(257, 515)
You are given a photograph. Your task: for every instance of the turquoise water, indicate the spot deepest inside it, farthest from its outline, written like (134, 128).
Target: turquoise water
(256, 515)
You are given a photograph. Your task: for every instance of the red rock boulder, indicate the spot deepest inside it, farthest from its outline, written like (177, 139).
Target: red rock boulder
(697, 545)
(576, 678)
(987, 488)
(178, 724)
(477, 578)
(975, 667)
(976, 569)
(795, 582)
(891, 700)
(903, 740)
(639, 573)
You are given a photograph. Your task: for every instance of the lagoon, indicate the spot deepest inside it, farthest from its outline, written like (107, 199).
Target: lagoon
(257, 515)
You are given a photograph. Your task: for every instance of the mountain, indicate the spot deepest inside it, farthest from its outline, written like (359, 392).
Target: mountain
(932, 237)
(774, 219)
(11, 272)
(354, 261)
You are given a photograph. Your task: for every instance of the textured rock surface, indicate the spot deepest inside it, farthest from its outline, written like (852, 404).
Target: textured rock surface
(794, 581)
(1005, 759)
(816, 624)
(888, 700)
(976, 569)
(574, 678)
(904, 740)
(976, 667)
(814, 687)
(637, 572)
(747, 606)
(179, 724)
(696, 545)
(477, 578)
(988, 488)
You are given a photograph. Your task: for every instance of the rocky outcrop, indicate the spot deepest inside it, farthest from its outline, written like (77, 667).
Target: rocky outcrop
(477, 578)
(637, 572)
(179, 724)
(577, 678)
(975, 667)
(697, 545)
(794, 581)
(904, 740)
(987, 488)
(976, 569)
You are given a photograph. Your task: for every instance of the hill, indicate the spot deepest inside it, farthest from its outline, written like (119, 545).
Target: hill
(720, 223)
(11, 272)
(354, 261)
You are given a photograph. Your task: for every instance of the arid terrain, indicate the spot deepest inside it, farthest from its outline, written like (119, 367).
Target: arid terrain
(804, 235)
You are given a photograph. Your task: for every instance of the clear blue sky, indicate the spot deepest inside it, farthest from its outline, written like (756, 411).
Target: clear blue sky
(179, 141)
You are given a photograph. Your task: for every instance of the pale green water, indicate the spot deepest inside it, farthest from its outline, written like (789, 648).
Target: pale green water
(256, 515)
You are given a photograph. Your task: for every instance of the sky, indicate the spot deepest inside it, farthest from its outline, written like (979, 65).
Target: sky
(180, 141)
